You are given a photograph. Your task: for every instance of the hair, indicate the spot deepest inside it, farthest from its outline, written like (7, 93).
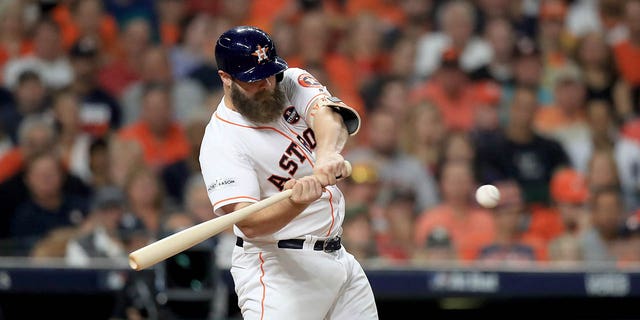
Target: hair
(409, 129)
(609, 63)
(448, 5)
(141, 170)
(28, 75)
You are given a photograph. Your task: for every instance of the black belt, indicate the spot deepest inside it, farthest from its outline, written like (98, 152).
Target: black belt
(329, 245)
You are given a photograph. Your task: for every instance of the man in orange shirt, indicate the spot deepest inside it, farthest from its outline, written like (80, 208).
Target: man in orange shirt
(162, 139)
(513, 243)
(470, 228)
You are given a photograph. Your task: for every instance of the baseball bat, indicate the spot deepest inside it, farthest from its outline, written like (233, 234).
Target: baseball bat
(171, 245)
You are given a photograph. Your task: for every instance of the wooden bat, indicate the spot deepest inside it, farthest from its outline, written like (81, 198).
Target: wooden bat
(169, 246)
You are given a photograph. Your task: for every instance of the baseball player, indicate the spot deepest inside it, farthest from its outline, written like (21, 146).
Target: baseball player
(278, 128)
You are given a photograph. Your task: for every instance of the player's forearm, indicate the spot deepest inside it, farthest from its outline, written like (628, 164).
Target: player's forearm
(330, 131)
(271, 219)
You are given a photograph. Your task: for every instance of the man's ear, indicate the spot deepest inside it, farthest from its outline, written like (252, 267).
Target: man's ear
(226, 78)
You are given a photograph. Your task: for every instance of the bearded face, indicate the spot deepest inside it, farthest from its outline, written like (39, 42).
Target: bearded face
(264, 107)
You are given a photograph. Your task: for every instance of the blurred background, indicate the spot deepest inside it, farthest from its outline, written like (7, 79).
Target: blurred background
(103, 104)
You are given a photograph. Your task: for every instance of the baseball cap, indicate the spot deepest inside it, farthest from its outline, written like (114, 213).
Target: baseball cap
(84, 48)
(438, 238)
(108, 198)
(569, 186)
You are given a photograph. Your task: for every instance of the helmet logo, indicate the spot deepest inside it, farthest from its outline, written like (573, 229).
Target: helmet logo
(261, 53)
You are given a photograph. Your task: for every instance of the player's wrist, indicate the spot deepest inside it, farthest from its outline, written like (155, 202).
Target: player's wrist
(299, 204)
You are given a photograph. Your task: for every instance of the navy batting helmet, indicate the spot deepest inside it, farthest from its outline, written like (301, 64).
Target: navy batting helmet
(248, 54)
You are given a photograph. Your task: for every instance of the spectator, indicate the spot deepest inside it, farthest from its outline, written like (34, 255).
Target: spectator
(456, 21)
(72, 142)
(500, 35)
(468, 226)
(147, 203)
(13, 33)
(29, 97)
(512, 245)
(595, 58)
(528, 69)
(101, 238)
(35, 136)
(517, 152)
(163, 140)
(48, 206)
(394, 166)
(418, 17)
(364, 48)
(567, 114)
(99, 112)
(606, 219)
(48, 58)
(187, 95)
(124, 156)
(570, 193)
(207, 63)
(86, 19)
(317, 52)
(626, 52)
(553, 38)
(358, 234)
(193, 48)
(99, 164)
(451, 91)
(424, 135)
(438, 248)
(394, 231)
(603, 136)
(602, 171)
(125, 68)
(170, 15)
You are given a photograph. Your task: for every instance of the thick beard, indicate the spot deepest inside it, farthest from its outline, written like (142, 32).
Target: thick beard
(264, 107)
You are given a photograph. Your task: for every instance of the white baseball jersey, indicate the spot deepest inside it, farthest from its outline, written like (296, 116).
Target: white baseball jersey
(245, 162)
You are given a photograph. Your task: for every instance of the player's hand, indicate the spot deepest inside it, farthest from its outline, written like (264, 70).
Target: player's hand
(305, 190)
(329, 169)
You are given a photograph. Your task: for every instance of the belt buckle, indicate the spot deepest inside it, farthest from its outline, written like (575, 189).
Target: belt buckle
(330, 242)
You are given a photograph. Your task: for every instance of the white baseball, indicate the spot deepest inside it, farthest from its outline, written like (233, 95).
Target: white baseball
(488, 196)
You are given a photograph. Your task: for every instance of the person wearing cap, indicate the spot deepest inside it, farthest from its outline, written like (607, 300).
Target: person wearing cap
(451, 90)
(99, 236)
(570, 193)
(514, 243)
(278, 128)
(99, 112)
(567, 113)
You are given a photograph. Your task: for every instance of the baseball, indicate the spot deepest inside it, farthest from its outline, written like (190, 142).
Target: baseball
(488, 196)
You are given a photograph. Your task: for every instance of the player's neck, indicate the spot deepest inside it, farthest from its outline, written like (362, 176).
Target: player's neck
(228, 103)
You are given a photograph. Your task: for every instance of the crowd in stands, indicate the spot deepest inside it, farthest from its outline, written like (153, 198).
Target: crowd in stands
(103, 105)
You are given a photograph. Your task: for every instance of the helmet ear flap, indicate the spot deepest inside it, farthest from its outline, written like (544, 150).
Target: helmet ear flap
(279, 76)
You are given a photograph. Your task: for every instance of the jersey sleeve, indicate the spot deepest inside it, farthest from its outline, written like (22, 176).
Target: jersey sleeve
(305, 92)
(229, 177)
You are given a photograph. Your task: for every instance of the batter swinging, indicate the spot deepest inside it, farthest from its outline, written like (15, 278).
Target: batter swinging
(278, 128)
